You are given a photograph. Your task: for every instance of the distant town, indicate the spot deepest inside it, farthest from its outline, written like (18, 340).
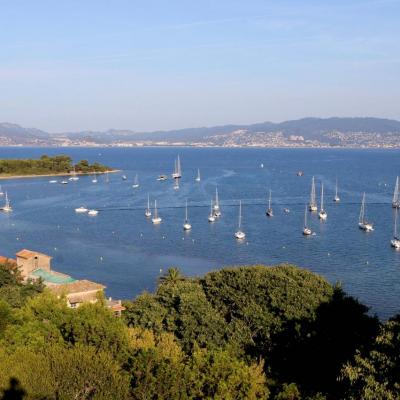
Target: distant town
(306, 132)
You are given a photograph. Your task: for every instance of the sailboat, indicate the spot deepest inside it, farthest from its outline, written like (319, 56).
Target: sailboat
(74, 177)
(156, 219)
(177, 170)
(107, 177)
(186, 224)
(239, 234)
(269, 212)
(396, 200)
(124, 178)
(336, 199)
(216, 209)
(395, 242)
(147, 213)
(313, 204)
(94, 179)
(322, 213)
(136, 182)
(198, 179)
(211, 217)
(306, 230)
(362, 222)
(7, 206)
(1, 191)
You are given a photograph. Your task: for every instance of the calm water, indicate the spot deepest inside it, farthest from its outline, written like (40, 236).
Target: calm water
(123, 250)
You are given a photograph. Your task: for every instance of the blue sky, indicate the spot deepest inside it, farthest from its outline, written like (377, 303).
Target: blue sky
(96, 64)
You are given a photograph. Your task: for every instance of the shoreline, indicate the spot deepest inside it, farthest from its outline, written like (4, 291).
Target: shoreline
(5, 177)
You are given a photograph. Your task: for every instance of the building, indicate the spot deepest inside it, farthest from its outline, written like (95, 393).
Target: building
(34, 265)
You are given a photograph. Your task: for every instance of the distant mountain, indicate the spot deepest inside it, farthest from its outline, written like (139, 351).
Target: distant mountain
(336, 131)
(309, 128)
(13, 134)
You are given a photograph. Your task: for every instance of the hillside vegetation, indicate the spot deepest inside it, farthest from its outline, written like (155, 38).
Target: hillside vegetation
(237, 333)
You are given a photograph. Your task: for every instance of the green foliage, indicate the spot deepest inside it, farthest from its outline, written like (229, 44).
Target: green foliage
(190, 315)
(289, 392)
(60, 164)
(203, 338)
(219, 375)
(95, 325)
(146, 312)
(160, 370)
(12, 289)
(64, 373)
(376, 374)
(47, 319)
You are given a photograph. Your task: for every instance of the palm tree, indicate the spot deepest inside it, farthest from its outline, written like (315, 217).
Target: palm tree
(172, 276)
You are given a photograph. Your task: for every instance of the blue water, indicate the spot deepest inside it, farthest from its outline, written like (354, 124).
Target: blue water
(124, 251)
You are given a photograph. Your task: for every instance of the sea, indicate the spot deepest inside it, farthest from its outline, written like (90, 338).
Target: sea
(123, 250)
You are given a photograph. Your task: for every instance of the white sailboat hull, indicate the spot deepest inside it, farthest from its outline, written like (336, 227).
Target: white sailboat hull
(240, 235)
(395, 243)
(323, 215)
(366, 226)
(187, 227)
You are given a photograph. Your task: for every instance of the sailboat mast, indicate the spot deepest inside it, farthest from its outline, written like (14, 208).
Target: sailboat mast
(336, 191)
(396, 191)
(155, 209)
(240, 213)
(216, 197)
(361, 218)
(186, 213)
(148, 202)
(305, 217)
(269, 200)
(312, 196)
(322, 197)
(395, 225)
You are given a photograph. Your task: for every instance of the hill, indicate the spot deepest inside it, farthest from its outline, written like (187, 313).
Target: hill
(306, 132)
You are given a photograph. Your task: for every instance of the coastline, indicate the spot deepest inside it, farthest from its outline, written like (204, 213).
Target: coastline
(5, 177)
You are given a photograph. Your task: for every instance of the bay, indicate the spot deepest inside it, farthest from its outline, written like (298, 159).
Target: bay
(124, 251)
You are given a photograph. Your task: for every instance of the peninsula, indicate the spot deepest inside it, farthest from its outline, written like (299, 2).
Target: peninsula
(48, 166)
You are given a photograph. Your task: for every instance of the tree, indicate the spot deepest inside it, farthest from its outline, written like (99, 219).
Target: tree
(61, 373)
(375, 375)
(145, 312)
(172, 276)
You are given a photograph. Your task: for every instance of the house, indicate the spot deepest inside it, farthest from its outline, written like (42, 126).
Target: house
(34, 265)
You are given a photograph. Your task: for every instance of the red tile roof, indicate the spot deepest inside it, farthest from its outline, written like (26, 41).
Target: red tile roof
(77, 287)
(6, 260)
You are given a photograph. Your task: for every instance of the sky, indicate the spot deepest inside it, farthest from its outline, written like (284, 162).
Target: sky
(71, 65)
